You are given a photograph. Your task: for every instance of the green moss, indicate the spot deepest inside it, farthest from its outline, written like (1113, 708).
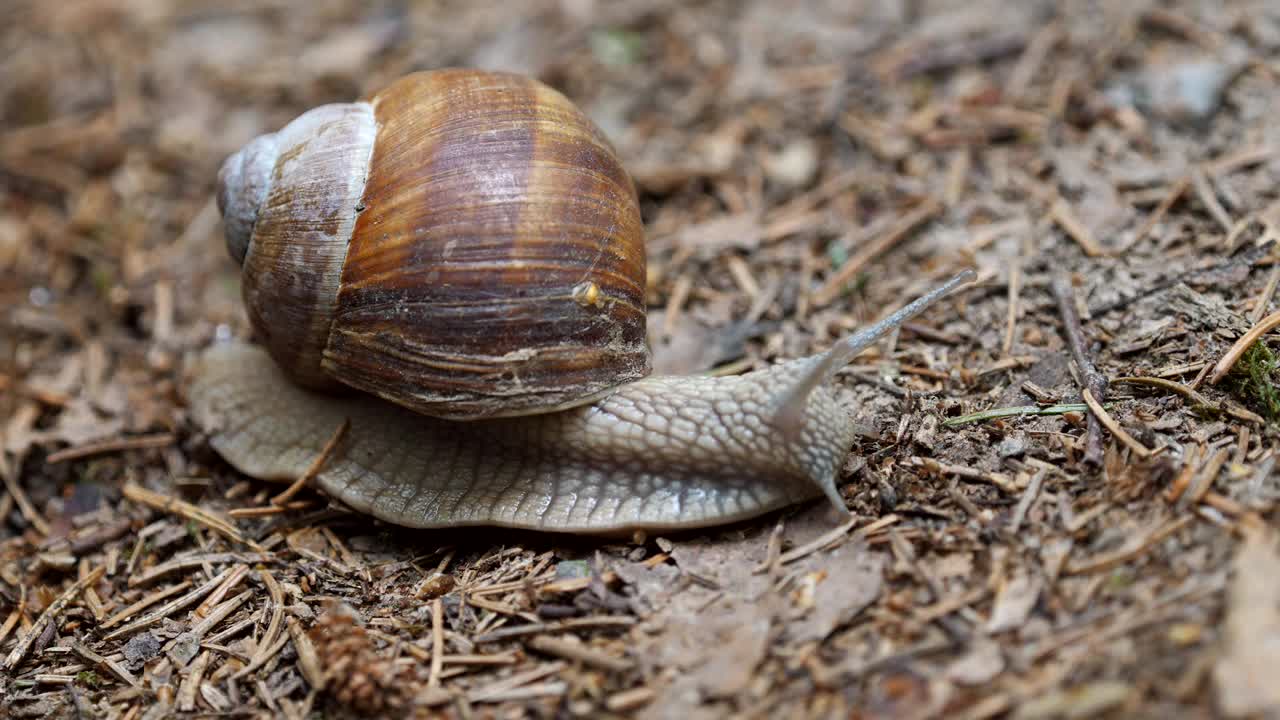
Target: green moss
(1120, 580)
(617, 47)
(103, 280)
(1253, 381)
(88, 678)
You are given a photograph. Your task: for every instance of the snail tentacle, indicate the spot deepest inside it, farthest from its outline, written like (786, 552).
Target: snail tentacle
(821, 368)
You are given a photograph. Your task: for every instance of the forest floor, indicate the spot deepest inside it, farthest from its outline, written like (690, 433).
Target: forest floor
(1109, 169)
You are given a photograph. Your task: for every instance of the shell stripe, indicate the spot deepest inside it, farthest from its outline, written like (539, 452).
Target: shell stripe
(491, 201)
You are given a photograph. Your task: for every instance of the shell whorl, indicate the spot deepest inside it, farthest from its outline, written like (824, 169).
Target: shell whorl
(243, 182)
(463, 243)
(291, 199)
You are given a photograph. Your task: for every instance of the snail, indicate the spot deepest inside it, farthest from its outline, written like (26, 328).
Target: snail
(453, 269)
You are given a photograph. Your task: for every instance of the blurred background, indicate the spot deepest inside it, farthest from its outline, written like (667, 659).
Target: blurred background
(770, 139)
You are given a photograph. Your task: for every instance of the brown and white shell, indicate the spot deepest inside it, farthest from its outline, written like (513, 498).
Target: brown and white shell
(463, 243)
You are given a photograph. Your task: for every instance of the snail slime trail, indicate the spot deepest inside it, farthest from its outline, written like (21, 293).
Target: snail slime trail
(470, 188)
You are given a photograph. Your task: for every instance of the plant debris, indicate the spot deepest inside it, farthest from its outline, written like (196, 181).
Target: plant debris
(1062, 496)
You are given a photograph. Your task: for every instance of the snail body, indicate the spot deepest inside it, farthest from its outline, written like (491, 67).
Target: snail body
(466, 246)
(662, 452)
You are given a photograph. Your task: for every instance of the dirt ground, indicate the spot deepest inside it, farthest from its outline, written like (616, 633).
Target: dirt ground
(1109, 169)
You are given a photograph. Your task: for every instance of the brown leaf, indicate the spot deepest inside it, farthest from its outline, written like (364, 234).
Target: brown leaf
(1245, 674)
(850, 580)
(1014, 601)
(709, 238)
(735, 642)
(981, 664)
(78, 424)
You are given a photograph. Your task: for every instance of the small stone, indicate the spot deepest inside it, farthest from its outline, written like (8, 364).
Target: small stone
(1013, 446)
(185, 649)
(573, 569)
(794, 165)
(140, 649)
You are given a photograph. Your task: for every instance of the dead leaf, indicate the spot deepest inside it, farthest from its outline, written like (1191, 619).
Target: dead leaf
(849, 579)
(735, 643)
(1014, 601)
(1245, 674)
(79, 424)
(651, 586)
(727, 562)
(982, 663)
(952, 569)
(19, 431)
(709, 238)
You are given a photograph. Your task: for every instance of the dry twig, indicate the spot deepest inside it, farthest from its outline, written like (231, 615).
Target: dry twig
(315, 467)
(1228, 361)
(49, 615)
(186, 510)
(1110, 423)
(142, 442)
(1092, 380)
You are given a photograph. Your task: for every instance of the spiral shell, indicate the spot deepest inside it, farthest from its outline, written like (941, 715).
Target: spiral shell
(463, 243)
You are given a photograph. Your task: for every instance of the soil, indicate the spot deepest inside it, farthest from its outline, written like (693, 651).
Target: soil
(1063, 492)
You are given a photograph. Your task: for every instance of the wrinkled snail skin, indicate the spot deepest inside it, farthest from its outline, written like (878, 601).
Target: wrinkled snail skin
(659, 453)
(662, 452)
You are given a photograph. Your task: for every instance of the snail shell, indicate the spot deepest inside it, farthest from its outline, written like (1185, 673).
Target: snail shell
(463, 243)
